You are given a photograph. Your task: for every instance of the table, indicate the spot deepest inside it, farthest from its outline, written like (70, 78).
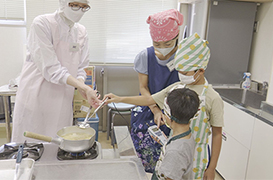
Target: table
(6, 93)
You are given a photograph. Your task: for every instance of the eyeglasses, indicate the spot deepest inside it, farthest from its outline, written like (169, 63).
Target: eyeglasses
(76, 7)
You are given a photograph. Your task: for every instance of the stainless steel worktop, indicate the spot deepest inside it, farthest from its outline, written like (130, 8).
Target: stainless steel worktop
(108, 165)
(248, 101)
(120, 169)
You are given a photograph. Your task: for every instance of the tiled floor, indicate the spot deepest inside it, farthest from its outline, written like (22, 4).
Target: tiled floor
(105, 144)
(102, 138)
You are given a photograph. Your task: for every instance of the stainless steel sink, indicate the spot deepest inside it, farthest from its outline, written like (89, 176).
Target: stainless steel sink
(242, 97)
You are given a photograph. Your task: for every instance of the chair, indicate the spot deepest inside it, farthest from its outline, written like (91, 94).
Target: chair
(116, 108)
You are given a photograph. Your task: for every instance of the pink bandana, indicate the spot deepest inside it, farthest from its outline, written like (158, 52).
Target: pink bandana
(164, 26)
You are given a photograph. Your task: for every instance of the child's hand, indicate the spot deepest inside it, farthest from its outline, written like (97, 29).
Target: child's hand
(112, 98)
(158, 119)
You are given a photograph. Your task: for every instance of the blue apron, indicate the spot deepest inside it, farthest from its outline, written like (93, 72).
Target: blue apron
(159, 77)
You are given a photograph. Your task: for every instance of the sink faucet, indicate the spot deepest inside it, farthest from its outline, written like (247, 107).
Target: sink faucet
(264, 88)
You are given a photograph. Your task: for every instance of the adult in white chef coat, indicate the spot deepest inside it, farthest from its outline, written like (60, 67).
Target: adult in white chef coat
(57, 53)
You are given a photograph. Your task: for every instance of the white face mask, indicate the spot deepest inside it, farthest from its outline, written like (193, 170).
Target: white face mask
(74, 16)
(165, 51)
(187, 79)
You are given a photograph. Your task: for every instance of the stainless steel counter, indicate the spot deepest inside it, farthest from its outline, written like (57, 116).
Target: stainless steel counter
(248, 101)
(108, 165)
(104, 169)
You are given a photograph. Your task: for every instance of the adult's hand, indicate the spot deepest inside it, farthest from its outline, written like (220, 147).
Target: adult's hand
(92, 98)
(86, 91)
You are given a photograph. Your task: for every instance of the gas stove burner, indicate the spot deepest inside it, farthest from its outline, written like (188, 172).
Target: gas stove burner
(91, 153)
(14, 156)
(78, 154)
(31, 150)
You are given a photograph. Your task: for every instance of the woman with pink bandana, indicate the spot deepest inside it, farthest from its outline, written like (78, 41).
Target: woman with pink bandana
(155, 72)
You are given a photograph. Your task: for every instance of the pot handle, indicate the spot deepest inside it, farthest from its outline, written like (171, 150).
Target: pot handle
(37, 136)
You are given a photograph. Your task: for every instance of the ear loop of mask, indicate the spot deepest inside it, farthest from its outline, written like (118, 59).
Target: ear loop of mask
(165, 121)
(167, 112)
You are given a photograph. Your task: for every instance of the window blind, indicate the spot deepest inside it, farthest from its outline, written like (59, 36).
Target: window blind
(117, 29)
(12, 10)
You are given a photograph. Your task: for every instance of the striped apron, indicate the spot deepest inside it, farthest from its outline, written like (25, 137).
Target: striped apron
(200, 130)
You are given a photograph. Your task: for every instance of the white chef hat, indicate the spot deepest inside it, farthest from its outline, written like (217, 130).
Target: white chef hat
(63, 3)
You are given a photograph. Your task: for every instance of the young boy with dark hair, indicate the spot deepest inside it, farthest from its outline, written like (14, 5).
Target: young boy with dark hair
(179, 107)
(176, 158)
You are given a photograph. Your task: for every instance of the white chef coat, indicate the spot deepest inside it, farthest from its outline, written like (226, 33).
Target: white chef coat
(44, 100)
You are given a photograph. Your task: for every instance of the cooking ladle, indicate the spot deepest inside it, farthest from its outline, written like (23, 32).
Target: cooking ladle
(84, 124)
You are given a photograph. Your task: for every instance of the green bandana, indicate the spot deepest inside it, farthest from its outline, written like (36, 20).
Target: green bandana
(192, 54)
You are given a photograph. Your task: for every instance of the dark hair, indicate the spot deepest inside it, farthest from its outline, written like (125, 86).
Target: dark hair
(176, 42)
(183, 103)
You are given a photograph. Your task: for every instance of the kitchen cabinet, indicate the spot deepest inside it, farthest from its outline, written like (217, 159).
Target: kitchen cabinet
(239, 124)
(236, 144)
(260, 158)
(232, 163)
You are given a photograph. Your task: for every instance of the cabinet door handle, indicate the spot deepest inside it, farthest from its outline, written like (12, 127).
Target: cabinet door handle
(224, 137)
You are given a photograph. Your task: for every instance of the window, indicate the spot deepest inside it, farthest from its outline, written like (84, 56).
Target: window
(12, 12)
(117, 29)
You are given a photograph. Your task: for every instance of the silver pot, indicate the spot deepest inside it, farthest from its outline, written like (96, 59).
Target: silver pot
(65, 144)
